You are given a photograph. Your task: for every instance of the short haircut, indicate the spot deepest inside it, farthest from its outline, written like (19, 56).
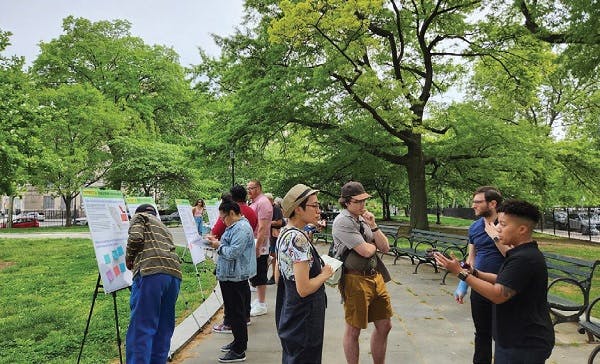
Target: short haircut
(238, 193)
(302, 205)
(256, 182)
(521, 209)
(227, 204)
(490, 194)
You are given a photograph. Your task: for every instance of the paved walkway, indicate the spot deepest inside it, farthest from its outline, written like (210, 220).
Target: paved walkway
(428, 327)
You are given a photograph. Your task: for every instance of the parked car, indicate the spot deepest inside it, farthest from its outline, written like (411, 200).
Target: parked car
(561, 219)
(172, 218)
(81, 221)
(22, 222)
(39, 216)
(584, 223)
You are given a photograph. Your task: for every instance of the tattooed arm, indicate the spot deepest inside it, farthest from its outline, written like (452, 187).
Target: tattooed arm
(495, 292)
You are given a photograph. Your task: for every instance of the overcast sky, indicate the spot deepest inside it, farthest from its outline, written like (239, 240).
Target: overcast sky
(184, 25)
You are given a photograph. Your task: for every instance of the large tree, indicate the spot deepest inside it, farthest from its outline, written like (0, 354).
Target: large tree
(76, 122)
(18, 140)
(145, 84)
(363, 71)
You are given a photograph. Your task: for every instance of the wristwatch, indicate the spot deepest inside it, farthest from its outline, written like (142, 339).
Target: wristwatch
(462, 275)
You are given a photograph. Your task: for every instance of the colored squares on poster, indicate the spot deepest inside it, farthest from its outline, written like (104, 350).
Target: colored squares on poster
(106, 259)
(120, 250)
(122, 267)
(115, 254)
(117, 270)
(110, 275)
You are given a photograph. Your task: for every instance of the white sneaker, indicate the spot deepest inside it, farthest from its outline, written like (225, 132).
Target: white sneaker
(253, 303)
(259, 309)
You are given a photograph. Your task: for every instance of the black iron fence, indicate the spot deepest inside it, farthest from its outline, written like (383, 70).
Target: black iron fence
(44, 217)
(574, 221)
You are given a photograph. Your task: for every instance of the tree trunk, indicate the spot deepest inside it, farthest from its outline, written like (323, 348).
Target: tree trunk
(385, 201)
(416, 183)
(9, 216)
(68, 200)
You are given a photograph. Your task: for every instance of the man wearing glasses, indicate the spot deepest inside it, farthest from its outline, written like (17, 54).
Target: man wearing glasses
(356, 239)
(485, 254)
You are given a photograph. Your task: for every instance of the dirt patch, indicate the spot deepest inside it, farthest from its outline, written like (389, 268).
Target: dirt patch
(4, 265)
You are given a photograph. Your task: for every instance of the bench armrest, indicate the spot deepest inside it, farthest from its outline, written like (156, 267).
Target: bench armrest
(588, 311)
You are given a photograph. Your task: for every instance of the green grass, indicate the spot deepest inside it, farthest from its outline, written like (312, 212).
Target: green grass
(46, 229)
(45, 297)
(444, 221)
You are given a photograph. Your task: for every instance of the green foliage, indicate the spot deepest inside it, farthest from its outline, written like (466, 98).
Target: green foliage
(16, 105)
(46, 296)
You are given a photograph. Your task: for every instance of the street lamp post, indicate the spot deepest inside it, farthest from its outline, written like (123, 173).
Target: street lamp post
(232, 157)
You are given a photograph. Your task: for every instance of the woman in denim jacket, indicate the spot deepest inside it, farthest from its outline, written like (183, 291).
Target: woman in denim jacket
(235, 265)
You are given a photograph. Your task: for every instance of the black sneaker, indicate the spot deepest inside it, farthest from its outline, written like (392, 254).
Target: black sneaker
(227, 348)
(232, 357)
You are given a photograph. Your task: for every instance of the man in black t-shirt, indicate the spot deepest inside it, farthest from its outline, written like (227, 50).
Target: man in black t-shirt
(523, 329)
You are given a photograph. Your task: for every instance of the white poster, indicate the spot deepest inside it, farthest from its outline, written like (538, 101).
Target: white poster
(213, 213)
(108, 222)
(134, 202)
(195, 243)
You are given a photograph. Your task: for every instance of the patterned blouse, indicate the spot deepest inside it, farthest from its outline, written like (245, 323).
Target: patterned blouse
(293, 246)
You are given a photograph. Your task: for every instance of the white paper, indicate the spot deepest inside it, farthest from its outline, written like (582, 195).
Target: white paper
(107, 219)
(213, 214)
(335, 265)
(195, 242)
(133, 202)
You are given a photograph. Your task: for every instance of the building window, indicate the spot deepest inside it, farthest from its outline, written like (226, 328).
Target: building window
(48, 203)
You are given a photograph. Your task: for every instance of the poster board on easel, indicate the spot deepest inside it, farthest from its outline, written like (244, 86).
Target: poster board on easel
(212, 210)
(195, 243)
(133, 202)
(106, 213)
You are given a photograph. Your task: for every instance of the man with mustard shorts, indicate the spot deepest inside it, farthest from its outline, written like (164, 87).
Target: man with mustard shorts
(356, 239)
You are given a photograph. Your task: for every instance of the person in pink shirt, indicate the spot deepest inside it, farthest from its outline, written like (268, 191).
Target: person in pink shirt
(264, 211)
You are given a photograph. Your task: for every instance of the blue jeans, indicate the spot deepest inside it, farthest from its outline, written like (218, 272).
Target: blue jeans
(152, 320)
(199, 224)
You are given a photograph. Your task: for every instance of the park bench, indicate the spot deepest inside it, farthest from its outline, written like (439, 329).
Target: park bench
(565, 274)
(592, 328)
(392, 233)
(325, 235)
(421, 244)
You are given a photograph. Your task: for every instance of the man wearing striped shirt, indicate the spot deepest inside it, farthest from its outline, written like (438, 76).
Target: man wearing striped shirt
(156, 280)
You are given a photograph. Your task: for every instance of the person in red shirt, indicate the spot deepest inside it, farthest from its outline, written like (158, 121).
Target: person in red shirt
(238, 194)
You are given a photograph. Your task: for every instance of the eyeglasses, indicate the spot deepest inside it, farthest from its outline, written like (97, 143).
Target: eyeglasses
(479, 201)
(358, 201)
(314, 205)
